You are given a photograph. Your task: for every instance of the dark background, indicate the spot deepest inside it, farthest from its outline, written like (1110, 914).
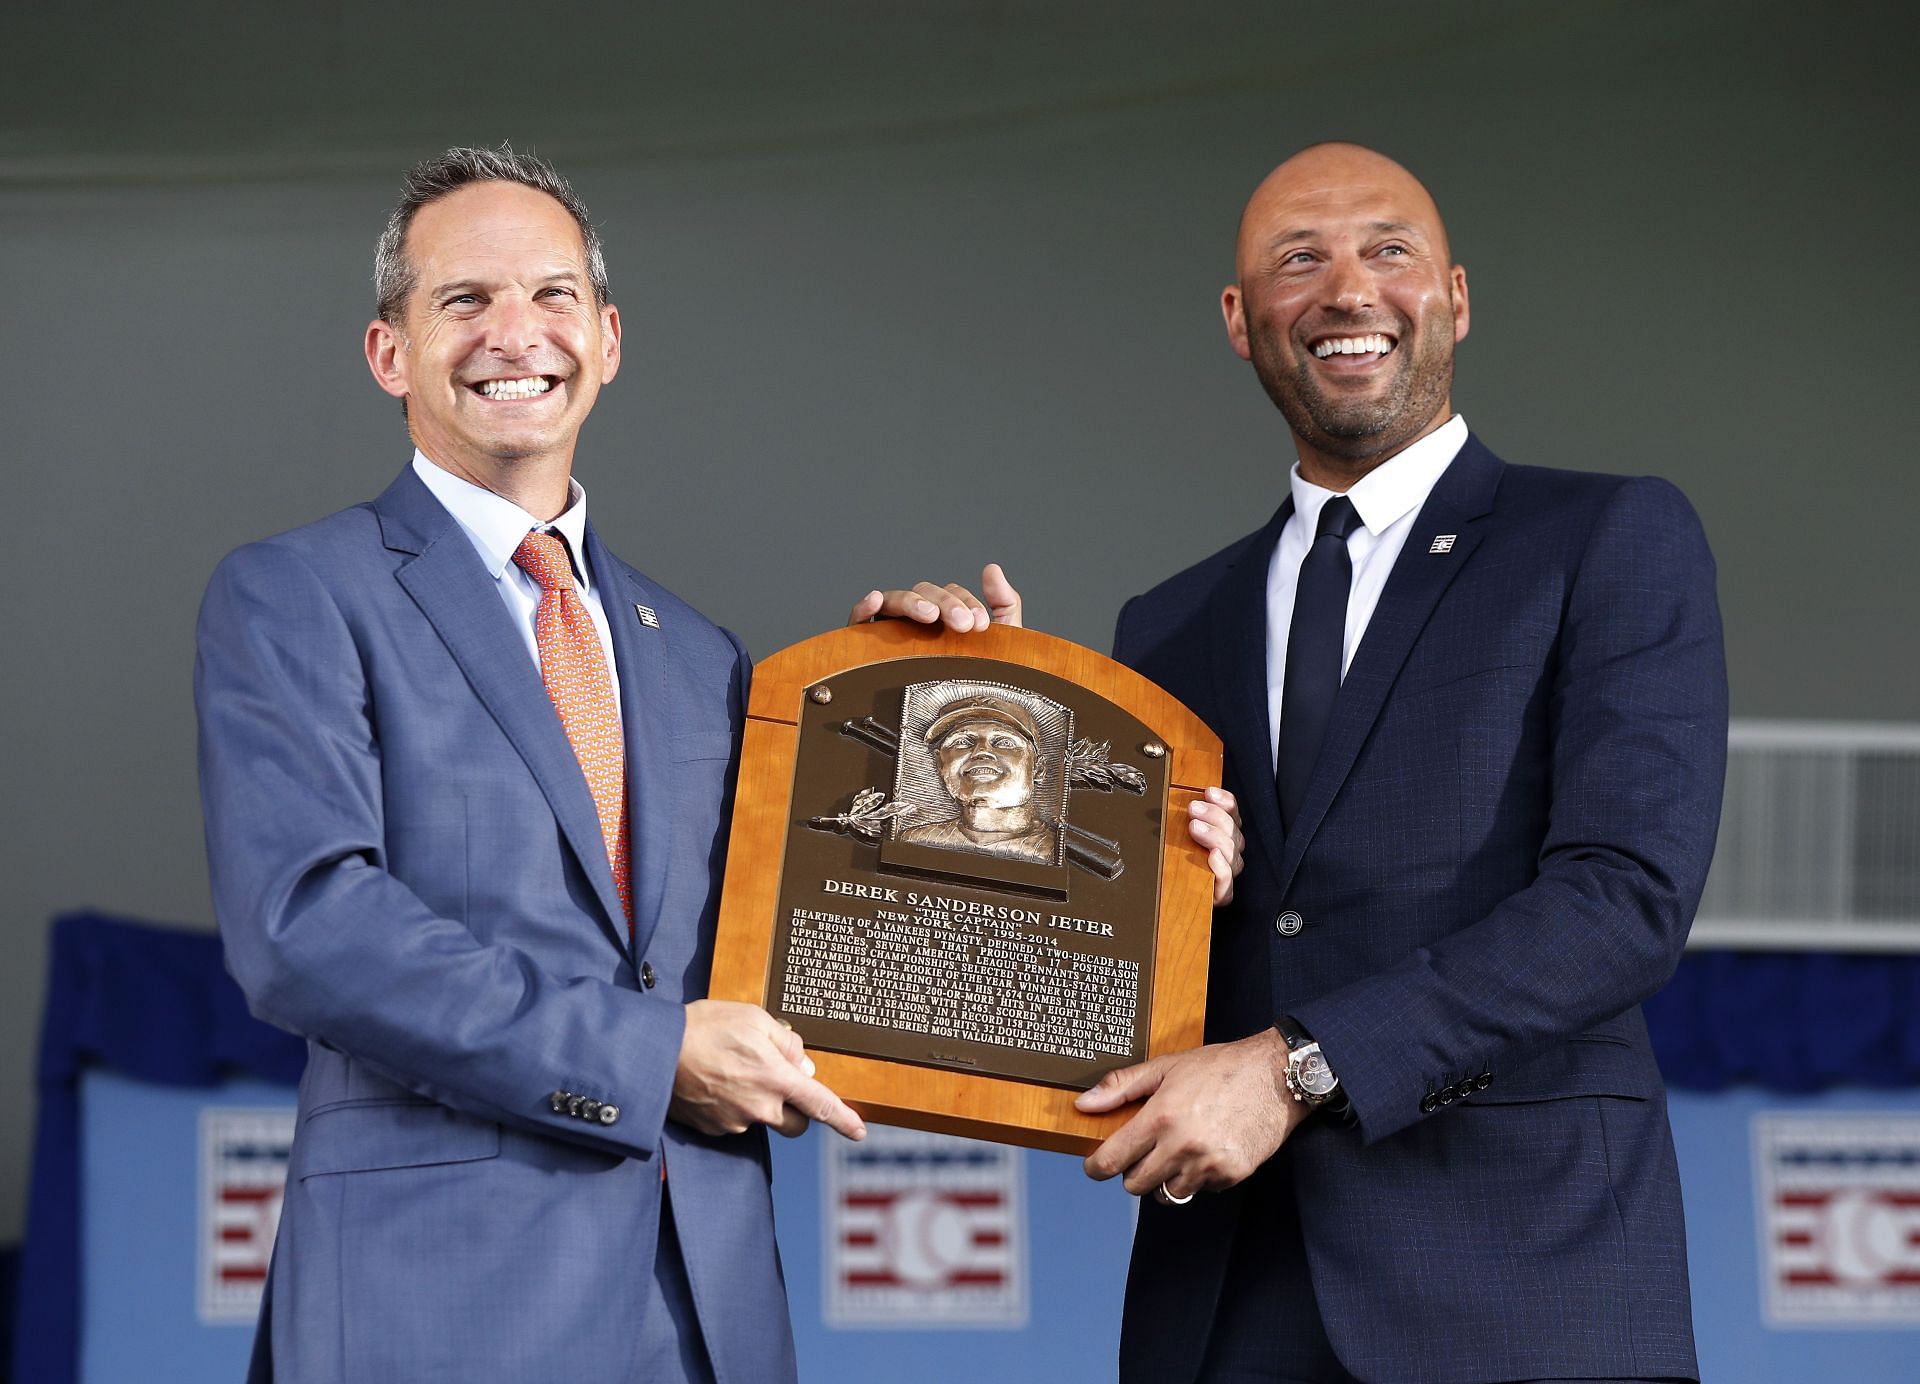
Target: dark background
(907, 288)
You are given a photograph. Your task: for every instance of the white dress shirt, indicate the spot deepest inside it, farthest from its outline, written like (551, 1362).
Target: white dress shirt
(496, 525)
(1387, 498)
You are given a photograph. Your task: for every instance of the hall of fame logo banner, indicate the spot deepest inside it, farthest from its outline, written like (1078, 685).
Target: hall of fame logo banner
(1839, 1215)
(924, 1230)
(243, 1175)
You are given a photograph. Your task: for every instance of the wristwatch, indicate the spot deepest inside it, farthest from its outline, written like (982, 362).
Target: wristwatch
(1309, 1079)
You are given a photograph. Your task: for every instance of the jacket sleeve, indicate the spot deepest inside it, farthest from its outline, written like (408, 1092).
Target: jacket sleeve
(1637, 720)
(329, 945)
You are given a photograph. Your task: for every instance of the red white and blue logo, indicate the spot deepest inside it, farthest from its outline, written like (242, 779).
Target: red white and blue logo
(1840, 1218)
(243, 1176)
(924, 1230)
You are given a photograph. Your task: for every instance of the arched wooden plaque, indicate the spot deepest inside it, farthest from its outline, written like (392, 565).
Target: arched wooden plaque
(960, 868)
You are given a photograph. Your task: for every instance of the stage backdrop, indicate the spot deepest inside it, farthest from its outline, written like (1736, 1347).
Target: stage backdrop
(166, 1116)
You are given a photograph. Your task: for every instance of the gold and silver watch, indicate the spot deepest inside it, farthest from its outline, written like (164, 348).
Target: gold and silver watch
(1310, 1080)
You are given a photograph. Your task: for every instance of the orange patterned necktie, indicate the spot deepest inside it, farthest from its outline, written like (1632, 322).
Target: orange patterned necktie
(573, 665)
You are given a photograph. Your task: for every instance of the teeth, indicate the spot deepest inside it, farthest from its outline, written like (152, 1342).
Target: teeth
(1353, 346)
(515, 389)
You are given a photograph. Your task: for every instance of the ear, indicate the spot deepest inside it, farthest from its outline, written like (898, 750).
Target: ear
(609, 342)
(1234, 310)
(387, 358)
(1460, 313)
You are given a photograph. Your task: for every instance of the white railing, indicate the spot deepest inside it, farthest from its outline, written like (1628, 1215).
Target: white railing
(1819, 840)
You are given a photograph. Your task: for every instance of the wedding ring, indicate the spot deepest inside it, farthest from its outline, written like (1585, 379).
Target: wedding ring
(1166, 1198)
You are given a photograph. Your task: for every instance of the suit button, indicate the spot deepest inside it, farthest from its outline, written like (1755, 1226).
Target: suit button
(646, 974)
(590, 1110)
(1288, 924)
(609, 1114)
(574, 1103)
(1449, 1094)
(1429, 1103)
(1484, 1080)
(558, 1100)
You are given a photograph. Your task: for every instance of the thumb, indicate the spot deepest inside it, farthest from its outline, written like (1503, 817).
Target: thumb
(1122, 1087)
(1002, 600)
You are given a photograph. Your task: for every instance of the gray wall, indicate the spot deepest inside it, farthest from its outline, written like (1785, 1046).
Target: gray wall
(878, 279)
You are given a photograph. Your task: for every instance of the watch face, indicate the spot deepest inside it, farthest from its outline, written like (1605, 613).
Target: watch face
(1316, 1077)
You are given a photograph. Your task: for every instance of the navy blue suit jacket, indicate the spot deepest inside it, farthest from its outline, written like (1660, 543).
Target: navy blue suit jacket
(408, 871)
(1498, 857)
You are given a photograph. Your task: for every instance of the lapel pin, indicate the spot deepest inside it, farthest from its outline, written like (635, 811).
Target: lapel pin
(1443, 543)
(647, 617)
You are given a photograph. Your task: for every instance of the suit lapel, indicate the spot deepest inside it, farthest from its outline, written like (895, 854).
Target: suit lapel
(1456, 508)
(1239, 622)
(450, 585)
(646, 722)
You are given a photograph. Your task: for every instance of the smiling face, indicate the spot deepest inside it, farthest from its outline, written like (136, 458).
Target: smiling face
(501, 348)
(1348, 307)
(986, 763)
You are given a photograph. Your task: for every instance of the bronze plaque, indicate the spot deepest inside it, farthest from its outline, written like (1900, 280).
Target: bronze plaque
(960, 870)
(971, 872)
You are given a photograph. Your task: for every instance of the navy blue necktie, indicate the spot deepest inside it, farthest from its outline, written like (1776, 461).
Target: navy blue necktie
(1316, 641)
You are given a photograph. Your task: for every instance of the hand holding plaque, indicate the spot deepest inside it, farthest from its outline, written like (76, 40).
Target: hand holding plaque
(961, 868)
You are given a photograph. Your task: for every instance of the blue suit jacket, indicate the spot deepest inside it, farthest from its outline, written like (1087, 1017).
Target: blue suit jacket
(408, 870)
(1498, 856)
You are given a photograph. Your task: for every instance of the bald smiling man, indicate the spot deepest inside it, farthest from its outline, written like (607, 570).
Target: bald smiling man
(1475, 717)
(1475, 720)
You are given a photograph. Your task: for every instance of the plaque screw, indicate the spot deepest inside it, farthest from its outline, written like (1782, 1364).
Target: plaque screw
(1153, 749)
(821, 694)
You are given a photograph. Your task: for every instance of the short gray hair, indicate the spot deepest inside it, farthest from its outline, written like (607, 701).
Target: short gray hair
(394, 275)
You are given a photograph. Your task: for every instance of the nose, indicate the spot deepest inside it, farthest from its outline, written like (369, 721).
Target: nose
(513, 326)
(1349, 286)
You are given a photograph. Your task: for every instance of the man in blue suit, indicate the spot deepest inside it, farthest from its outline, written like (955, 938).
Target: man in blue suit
(466, 778)
(1475, 720)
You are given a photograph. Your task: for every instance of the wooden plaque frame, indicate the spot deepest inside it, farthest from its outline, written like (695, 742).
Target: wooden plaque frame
(979, 1106)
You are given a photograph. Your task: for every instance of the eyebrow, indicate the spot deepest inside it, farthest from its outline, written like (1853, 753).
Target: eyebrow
(1294, 233)
(455, 287)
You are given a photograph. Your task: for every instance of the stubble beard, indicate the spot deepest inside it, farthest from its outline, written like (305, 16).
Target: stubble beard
(1358, 429)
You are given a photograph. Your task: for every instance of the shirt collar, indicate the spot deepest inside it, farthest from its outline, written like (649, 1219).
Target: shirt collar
(496, 525)
(1394, 488)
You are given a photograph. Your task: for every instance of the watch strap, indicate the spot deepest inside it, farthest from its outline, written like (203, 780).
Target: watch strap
(1337, 1106)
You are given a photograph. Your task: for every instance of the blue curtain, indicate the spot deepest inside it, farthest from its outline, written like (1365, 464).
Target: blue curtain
(1789, 1021)
(157, 1004)
(150, 1002)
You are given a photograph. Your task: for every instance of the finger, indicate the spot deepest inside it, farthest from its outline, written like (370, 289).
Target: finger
(815, 1101)
(792, 1047)
(782, 1036)
(1179, 1189)
(1207, 810)
(1222, 870)
(1154, 1167)
(947, 605)
(1125, 1147)
(1118, 1088)
(1221, 798)
(792, 1123)
(1216, 828)
(913, 605)
(969, 613)
(1208, 824)
(895, 604)
(1002, 600)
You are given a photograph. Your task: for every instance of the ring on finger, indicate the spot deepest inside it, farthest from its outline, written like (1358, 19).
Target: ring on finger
(1166, 1198)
